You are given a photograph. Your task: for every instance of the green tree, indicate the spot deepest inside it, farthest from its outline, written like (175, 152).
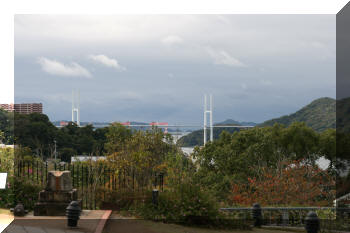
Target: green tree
(2, 136)
(66, 154)
(116, 136)
(247, 153)
(328, 146)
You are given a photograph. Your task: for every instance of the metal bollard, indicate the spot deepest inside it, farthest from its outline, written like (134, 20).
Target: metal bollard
(155, 194)
(73, 212)
(19, 210)
(257, 216)
(312, 222)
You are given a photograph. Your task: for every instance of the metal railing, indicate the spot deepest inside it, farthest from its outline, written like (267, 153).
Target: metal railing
(331, 218)
(93, 182)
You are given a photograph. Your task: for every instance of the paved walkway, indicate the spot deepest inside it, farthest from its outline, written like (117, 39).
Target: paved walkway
(89, 222)
(5, 220)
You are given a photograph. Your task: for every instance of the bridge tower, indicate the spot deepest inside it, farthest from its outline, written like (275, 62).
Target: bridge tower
(76, 107)
(210, 112)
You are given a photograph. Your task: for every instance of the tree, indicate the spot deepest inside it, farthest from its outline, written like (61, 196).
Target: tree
(228, 158)
(34, 131)
(328, 146)
(66, 154)
(116, 137)
(6, 126)
(2, 136)
(296, 183)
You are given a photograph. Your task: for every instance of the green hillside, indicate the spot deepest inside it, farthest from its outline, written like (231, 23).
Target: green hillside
(196, 137)
(319, 115)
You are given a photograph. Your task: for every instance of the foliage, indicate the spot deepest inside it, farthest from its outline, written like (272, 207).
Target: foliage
(19, 189)
(320, 115)
(293, 183)
(6, 160)
(37, 133)
(2, 136)
(141, 150)
(22, 191)
(195, 138)
(343, 110)
(6, 126)
(228, 158)
(66, 154)
(184, 205)
(34, 131)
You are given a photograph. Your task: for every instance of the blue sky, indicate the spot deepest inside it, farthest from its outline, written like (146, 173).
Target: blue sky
(158, 67)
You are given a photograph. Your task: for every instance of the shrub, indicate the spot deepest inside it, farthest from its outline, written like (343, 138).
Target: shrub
(20, 191)
(121, 200)
(188, 205)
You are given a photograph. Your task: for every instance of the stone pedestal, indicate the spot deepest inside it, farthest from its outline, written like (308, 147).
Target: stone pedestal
(57, 195)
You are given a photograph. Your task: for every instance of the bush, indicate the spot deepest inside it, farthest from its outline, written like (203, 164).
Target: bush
(19, 191)
(121, 200)
(184, 205)
(188, 205)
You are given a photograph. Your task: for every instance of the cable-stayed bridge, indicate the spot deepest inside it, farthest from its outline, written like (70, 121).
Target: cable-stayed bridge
(208, 110)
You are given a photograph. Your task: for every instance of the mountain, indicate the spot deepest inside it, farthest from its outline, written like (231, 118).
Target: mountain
(320, 114)
(233, 122)
(196, 137)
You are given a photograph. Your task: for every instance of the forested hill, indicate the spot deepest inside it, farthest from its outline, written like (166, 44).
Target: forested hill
(196, 137)
(320, 114)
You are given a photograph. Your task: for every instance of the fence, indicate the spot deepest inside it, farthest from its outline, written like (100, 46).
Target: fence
(93, 181)
(330, 218)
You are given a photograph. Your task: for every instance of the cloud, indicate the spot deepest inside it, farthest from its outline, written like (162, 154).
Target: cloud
(106, 61)
(171, 40)
(221, 57)
(57, 68)
(266, 82)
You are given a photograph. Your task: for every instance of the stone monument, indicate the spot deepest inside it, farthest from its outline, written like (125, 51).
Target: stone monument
(57, 195)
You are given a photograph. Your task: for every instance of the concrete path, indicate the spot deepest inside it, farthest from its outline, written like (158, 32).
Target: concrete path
(90, 222)
(5, 220)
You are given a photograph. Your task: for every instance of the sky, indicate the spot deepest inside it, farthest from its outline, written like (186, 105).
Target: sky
(158, 67)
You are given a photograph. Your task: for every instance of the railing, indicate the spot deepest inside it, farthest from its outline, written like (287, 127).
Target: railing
(93, 182)
(331, 218)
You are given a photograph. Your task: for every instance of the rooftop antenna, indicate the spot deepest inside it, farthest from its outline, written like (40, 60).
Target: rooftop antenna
(76, 106)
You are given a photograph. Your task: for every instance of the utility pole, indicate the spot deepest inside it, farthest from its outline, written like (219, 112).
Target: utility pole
(55, 152)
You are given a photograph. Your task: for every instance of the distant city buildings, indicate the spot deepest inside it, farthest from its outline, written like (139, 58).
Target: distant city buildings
(64, 123)
(25, 108)
(8, 107)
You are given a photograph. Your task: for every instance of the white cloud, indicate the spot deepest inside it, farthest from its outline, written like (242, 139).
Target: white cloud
(106, 61)
(266, 82)
(318, 45)
(221, 57)
(244, 86)
(57, 68)
(171, 40)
